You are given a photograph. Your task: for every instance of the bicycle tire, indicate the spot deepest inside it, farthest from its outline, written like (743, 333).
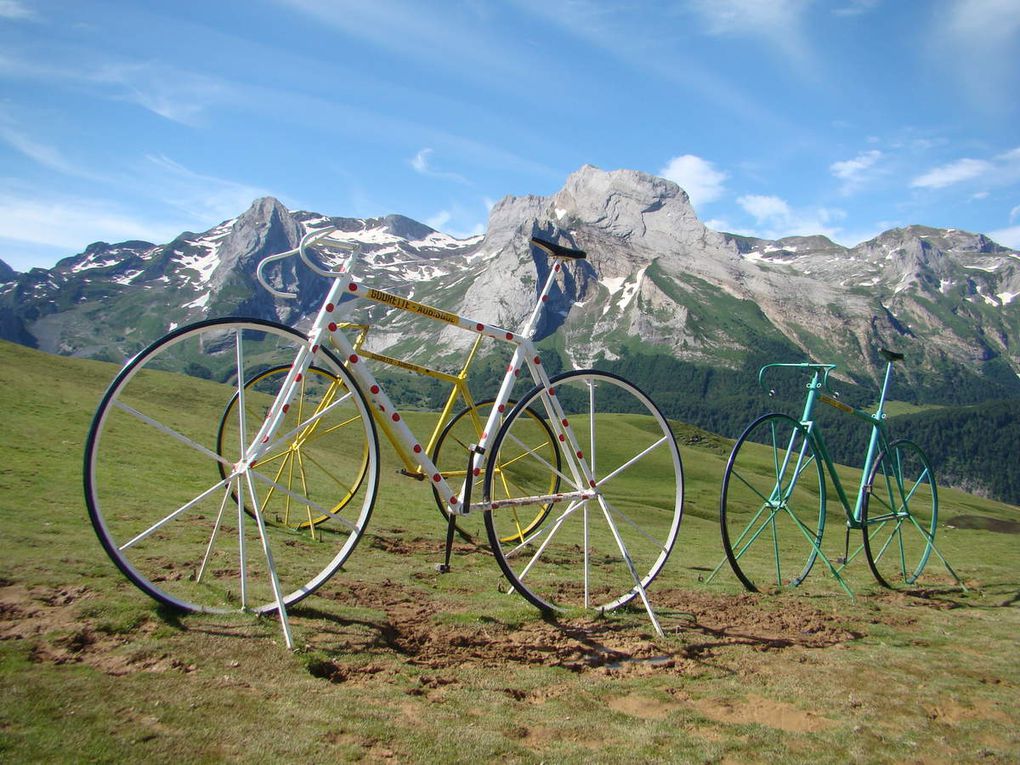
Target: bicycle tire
(463, 430)
(595, 553)
(154, 492)
(291, 456)
(767, 507)
(899, 516)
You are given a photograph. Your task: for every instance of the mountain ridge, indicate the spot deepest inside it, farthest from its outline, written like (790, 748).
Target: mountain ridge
(657, 280)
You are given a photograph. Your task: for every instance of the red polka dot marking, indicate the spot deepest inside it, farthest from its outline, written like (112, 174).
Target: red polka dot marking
(332, 326)
(437, 478)
(480, 327)
(315, 349)
(552, 391)
(286, 408)
(298, 378)
(374, 389)
(562, 437)
(592, 483)
(417, 449)
(454, 501)
(502, 408)
(352, 287)
(545, 298)
(580, 455)
(395, 417)
(354, 358)
(330, 307)
(538, 361)
(509, 335)
(556, 268)
(566, 423)
(478, 471)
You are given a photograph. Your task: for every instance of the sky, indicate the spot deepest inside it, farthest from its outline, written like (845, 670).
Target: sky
(142, 119)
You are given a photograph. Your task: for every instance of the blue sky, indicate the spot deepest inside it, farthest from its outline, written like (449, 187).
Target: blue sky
(138, 120)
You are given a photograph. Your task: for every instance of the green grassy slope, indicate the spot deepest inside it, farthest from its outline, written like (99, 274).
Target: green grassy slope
(401, 664)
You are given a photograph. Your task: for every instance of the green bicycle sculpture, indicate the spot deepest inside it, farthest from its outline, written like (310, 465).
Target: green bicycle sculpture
(773, 503)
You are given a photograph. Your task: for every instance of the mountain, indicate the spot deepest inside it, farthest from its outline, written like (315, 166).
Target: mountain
(657, 281)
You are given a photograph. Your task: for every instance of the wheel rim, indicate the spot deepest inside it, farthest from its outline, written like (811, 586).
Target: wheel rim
(451, 452)
(901, 515)
(153, 474)
(574, 558)
(772, 507)
(290, 460)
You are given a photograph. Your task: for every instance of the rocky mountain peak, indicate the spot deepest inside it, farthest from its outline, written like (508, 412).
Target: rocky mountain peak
(265, 228)
(6, 272)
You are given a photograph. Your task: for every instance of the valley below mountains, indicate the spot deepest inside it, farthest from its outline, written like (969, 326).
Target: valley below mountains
(692, 311)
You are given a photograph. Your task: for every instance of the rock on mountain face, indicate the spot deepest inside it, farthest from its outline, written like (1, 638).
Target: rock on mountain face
(656, 281)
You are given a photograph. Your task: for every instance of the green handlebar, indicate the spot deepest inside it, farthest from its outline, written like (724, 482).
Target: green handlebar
(823, 368)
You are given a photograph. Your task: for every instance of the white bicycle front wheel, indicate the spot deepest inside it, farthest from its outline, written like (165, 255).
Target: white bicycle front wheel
(172, 499)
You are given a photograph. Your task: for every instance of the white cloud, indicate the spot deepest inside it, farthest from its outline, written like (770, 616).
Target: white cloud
(697, 176)
(16, 10)
(1014, 213)
(72, 223)
(978, 43)
(1002, 169)
(778, 22)
(855, 172)
(421, 164)
(775, 218)
(764, 207)
(855, 7)
(955, 172)
(202, 198)
(1008, 236)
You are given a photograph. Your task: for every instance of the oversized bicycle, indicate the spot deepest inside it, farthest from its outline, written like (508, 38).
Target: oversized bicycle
(772, 508)
(233, 435)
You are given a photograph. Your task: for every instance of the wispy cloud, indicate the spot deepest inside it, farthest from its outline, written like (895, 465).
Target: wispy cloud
(16, 10)
(854, 173)
(175, 94)
(698, 177)
(780, 23)
(422, 165)
(978, 43)
(855, 7)
(71, 223)
(1002, 169)
(198, 196)
(775, 218)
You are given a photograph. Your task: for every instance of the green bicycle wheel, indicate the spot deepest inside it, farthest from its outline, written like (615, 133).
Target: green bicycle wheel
(772, 506)
(900, 514)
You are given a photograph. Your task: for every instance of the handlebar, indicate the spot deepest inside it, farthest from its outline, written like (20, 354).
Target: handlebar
(823, 368)
(302, 249)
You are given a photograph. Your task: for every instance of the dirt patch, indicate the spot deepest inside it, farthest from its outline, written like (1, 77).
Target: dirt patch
(755, 709)
(705, 624)
(48, 619)
(643, 707)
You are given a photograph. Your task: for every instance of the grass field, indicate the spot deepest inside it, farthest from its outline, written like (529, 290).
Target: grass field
(399, 663)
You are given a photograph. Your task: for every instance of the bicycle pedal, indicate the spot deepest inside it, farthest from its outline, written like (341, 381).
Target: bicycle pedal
(442, 568)
(841, 560)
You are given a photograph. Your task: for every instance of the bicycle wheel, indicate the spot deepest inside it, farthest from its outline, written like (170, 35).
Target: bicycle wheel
(618, 513)
(772, 506)
(464, 429)
(899, 514)
(178, 529)
(294, 459)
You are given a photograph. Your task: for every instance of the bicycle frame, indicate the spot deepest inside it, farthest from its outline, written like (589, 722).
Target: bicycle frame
(878, 441)
(327, 328)
(459, 390)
